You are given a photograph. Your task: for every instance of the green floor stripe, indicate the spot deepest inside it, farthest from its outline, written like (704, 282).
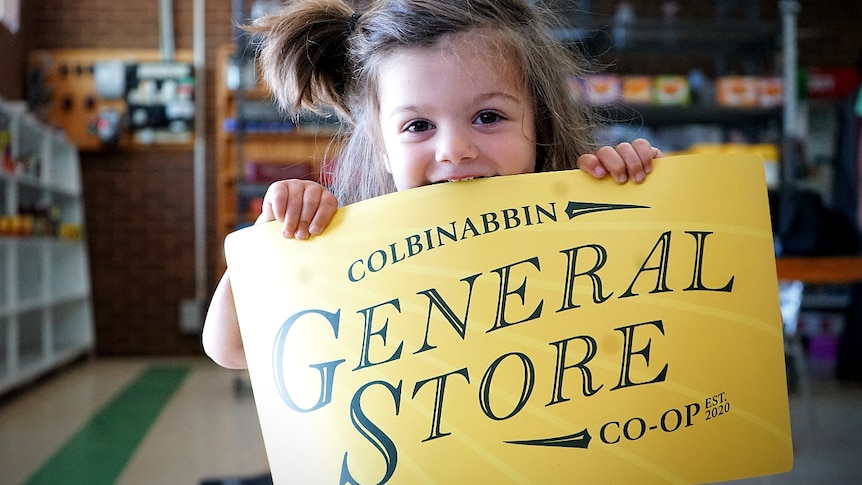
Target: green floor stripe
(98, 453)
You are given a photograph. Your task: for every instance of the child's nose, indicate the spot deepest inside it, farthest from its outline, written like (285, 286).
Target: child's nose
(456, 146)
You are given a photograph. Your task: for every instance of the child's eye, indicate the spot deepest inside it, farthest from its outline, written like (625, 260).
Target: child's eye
(418, 126)
(488, 117)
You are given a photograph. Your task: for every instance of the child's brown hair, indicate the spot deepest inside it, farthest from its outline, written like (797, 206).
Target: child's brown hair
(316, 54)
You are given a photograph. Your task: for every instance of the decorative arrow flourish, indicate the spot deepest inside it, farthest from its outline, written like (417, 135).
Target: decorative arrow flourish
(575, 209)
(581, 439)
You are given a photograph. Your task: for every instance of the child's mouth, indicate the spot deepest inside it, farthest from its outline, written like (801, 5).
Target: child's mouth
(456, 180)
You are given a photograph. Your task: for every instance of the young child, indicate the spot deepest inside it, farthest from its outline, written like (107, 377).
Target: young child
(430, 91)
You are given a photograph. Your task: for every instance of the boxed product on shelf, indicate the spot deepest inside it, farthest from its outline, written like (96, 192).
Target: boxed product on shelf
(737, 91)
(637, 89)
(770, 92)
(602, 89)
(672, 90)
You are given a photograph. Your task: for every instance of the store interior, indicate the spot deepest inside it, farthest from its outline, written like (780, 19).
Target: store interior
(136, 136)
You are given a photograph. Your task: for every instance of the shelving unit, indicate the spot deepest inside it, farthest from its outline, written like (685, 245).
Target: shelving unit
(676, 115)
(251, 132)
(45, 301)
(716, 39)
(715, 48)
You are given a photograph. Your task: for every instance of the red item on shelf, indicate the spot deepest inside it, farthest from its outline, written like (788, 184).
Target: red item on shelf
(832, 82)
(267, 173)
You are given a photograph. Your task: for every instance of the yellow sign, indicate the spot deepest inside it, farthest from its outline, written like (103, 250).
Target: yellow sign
(543, 328)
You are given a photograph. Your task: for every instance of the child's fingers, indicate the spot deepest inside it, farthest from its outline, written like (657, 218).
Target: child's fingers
(646, 153)
(590, 164)
(266, 213)
(293, 210)
(625, 161)
(325, 210)
(282, 202)
(634, 163)
(304, 207)
(614, 160)
(273, 203)
(318, 206)
(303, 216)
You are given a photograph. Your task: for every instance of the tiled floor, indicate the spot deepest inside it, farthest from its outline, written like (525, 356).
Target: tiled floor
(827, 437)
(203, 432)
(208, 430)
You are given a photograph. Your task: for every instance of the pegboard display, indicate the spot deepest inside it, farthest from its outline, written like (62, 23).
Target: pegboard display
(117, 99)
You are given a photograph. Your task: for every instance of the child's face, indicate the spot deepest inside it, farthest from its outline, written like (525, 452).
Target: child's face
(454, 113)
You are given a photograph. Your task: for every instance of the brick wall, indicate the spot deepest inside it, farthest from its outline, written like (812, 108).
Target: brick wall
(11, 64)
(139, 203)
(140, 233)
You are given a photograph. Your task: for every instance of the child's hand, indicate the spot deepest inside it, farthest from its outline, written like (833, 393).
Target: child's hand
(304, 206)
(626, 161)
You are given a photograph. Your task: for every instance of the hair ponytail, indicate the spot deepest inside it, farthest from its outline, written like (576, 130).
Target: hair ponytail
(304, 54)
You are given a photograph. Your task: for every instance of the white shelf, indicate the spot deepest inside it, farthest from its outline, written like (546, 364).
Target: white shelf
(46, 317)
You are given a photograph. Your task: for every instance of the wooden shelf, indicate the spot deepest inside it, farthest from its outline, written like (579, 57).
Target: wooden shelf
(820, 269)
(235, 149)
(71, 101)
(290, 147)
